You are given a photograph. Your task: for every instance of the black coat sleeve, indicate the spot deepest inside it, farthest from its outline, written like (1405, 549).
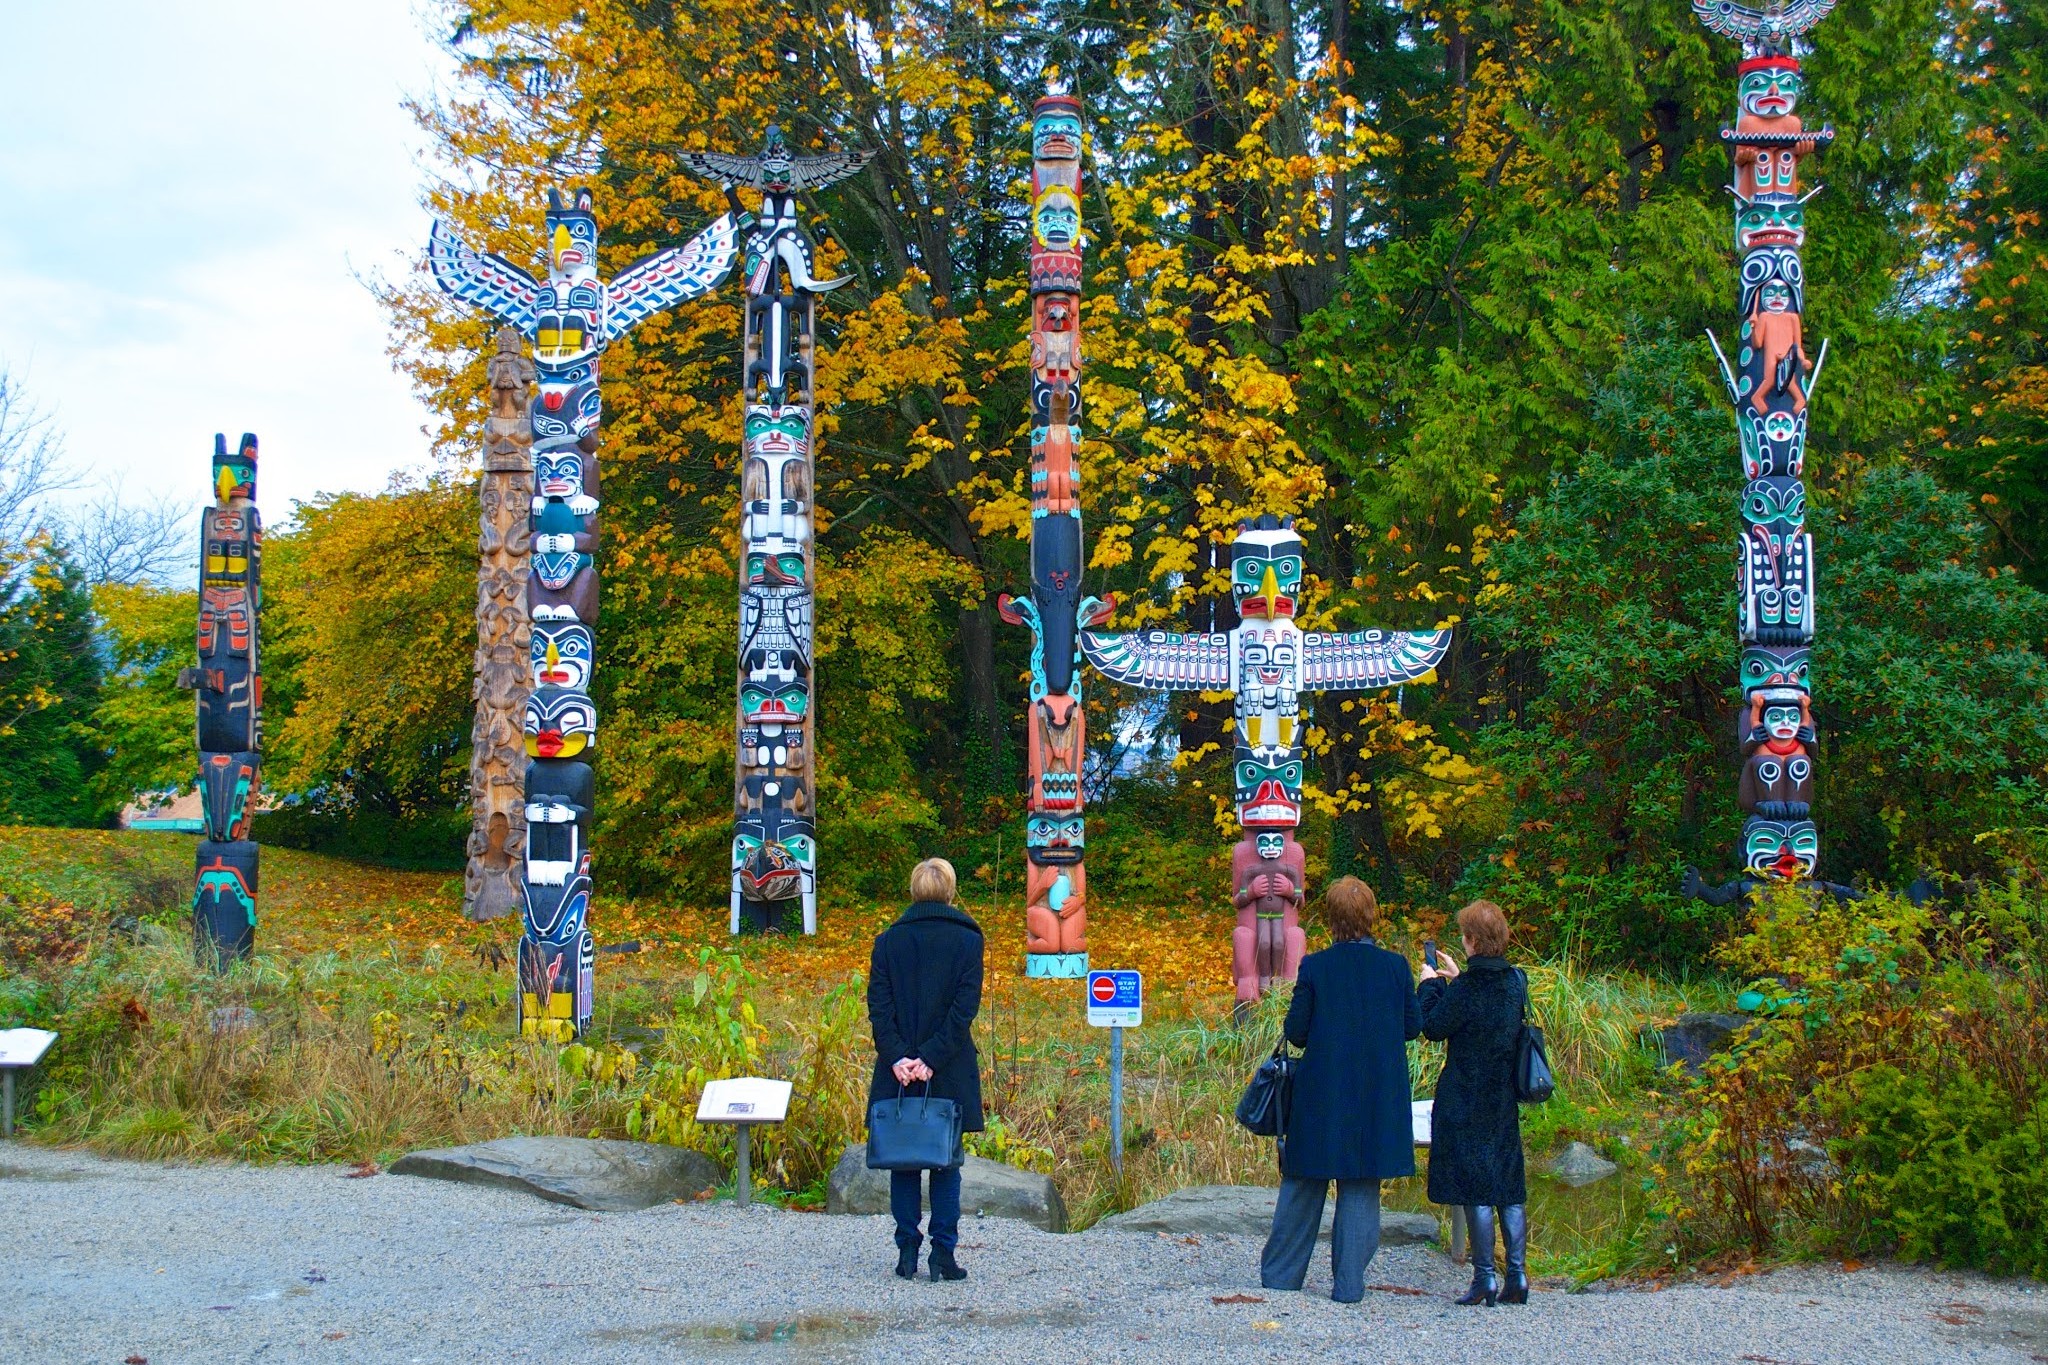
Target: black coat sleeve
(1301, 1010)
(955, 1033)
(1444, 1008)
(1411, 1009)
(889, 1045)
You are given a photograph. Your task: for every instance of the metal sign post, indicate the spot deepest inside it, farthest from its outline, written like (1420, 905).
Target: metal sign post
(20, 1048)
(1116, 1001)
(744, 1101)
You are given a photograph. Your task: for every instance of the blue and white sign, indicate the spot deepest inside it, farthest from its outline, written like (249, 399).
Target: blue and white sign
(1116, 999)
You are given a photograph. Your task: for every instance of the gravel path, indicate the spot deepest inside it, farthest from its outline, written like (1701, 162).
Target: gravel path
(112, 1260)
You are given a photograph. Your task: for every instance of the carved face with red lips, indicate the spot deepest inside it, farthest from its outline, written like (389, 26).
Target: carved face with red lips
(559, 723)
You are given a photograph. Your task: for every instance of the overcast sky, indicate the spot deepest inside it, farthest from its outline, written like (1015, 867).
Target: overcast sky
(193, 188)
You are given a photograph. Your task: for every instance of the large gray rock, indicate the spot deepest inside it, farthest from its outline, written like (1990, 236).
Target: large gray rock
(988, 1189)
(585, 1173)
(1696, 1037)
(1247, 1211)
(1579, 1165)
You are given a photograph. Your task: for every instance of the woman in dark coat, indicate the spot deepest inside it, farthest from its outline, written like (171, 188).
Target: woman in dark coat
(924, 989)
(1475, 1154)
(1353, 1012)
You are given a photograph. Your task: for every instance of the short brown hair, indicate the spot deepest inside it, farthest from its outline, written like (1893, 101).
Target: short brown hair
(933, 880)
(1352, 909)
(1485, 925)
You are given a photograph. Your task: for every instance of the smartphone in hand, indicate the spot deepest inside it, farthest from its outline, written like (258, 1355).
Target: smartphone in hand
(1429, 952)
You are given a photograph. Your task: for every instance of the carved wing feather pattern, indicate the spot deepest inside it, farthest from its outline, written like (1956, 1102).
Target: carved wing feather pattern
(656, 283)
(805, 172)
(723, 167)
(816, 172)
(1365, 659)
(1746, 24)
(479, 277)
(1159, 659)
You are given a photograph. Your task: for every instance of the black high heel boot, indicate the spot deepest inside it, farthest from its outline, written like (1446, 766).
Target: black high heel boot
(1479, 1224)
(1514, 1232)
(944, 1267)
(906, 1260)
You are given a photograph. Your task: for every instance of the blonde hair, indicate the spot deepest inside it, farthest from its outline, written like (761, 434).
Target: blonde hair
(1352, 908)
(933, 880)
(1485, 926)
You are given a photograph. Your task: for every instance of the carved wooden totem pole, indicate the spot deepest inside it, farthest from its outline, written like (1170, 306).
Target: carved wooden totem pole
(230, 687)
(1268, 664)
(774, 846)
(1769, 385)
(1055, 831)
(506, 673)
(571, 317)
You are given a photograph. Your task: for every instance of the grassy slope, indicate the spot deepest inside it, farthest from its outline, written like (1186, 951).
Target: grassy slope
(381, 1027)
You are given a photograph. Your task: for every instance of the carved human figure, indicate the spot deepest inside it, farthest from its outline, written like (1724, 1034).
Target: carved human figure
(1055, 885)
(1268, 871)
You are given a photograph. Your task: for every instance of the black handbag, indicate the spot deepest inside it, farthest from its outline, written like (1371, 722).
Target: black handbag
(1533, 1082)
(1270, 1096)
(914, 1133)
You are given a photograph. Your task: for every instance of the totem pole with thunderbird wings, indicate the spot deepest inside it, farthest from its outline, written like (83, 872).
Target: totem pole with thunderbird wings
(1769, 384)
(571, 317)
(230, 687)
(774, 846)
(1055, 831)
(1267, 663)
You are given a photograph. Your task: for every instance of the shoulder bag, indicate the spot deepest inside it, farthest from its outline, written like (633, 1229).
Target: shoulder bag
(914, 1132)
(1269, 1097)
(1533, 1082)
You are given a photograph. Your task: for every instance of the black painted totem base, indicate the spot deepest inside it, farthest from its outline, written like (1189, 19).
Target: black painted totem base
(770, 917)
(224, 906)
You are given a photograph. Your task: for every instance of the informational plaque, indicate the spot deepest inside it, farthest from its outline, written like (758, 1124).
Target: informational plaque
(1420, 1112)
(744, 1099)
(24, 1046)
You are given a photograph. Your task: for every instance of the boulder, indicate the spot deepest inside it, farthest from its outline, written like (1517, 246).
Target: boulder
(584, 1173)
(988, 1189)
(1696, 1037)
(1247, 1211)
(1579, 1165)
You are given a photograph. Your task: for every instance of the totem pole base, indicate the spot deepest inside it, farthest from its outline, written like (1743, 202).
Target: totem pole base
(1056, 966)
(766, 917)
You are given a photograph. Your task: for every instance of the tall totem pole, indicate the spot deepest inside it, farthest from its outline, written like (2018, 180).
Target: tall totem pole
(230, 687)
(1055, 831)
(1267, 662)
(505, 674)
(1769, 385)
(774, 846)
(571, 318)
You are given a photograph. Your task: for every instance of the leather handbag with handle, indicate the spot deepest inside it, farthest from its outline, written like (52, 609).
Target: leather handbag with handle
(1533, 1081)
(1270, 1097)
(914, 1132)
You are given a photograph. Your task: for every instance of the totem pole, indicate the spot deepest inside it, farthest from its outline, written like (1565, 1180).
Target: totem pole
(774, 846)
(1769, 385)
(230, 688)
(505, 672)
(1268, 664)
(571, 317)
(1055, 832)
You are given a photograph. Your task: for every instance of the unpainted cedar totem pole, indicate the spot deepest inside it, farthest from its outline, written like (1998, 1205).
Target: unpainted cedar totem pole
(570, 317)
(230, 687)
(1769, 385)
(1267, 663)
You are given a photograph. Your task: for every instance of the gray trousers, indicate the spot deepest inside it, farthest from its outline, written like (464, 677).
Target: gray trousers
(1298, 1217)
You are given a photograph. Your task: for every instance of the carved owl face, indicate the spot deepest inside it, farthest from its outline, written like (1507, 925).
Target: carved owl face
(564, 654)
(1265, 571)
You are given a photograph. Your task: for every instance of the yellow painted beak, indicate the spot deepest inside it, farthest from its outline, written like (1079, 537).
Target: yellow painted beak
(223, 484)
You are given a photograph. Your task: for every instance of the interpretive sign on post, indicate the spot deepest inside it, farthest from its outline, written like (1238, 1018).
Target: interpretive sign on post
(19, 1048)
(1116, 1001)
(744, 1101)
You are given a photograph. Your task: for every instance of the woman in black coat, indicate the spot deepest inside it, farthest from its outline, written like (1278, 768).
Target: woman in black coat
(924, 989)
(1475, 1154)
(1353, 1012)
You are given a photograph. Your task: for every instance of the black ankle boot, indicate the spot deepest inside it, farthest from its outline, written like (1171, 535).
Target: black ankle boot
(1479, 1225)
(906, 1261)
(944, 1267)
(1514, 1232)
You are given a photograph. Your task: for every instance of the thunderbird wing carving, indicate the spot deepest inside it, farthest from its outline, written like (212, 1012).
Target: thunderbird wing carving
(1364, 659)
(654, 284)
(482, 278)
(1160, 659)
(1747, 24)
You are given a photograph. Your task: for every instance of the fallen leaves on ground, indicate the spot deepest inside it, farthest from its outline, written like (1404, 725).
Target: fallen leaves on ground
(1236, 1298)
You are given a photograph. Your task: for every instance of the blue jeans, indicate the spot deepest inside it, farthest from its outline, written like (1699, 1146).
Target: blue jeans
(904, 1203)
